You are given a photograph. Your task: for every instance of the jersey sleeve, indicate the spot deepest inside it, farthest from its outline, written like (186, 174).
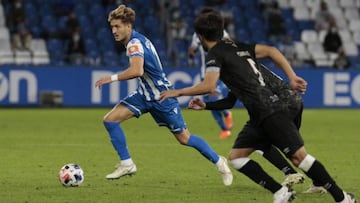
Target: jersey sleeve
(226, 35)
(247, 47)
(226, 103)
(195, 42)
(212, 63)
(134, 48)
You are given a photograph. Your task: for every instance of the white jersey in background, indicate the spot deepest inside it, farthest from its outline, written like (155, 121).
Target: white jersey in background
(196, 45)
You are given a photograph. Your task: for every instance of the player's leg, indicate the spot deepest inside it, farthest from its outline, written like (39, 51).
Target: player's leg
(244, 145)
(168, 113)
(196, 142)
(286, 137)
(112, 122)
(274, 156)
(218, 116)
(318, 173)
(228, 119)
(222, 90)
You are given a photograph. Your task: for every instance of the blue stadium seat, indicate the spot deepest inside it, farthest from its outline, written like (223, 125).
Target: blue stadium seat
(110, 58)
(197, 3)
(90, 45)
(287, 13)
(49, 24)
(306, 25)
(248, 3)
(80, 9)
(256, 25)
(259, 37)
(45, 10)
(96, 11)
(55, 47)
(106, 45)
(87, 32)
(84, 21)
(32, 19)
(30, 9)
(243, 35)
(100, 22)
(104, 34)
(36, 31)
(61, 23)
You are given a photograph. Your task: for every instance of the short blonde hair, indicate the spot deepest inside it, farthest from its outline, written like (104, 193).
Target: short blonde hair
(123, 13)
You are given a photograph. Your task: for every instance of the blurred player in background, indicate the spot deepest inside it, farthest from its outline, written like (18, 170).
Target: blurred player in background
(222, 117)
(145, 65)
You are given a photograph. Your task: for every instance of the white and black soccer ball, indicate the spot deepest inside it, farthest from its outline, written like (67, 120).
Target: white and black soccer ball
(71, 175)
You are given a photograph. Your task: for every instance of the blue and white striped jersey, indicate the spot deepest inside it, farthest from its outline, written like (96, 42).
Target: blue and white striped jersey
(154, 79)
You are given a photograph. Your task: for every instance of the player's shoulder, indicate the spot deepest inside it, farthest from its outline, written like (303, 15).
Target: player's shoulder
(137, 38)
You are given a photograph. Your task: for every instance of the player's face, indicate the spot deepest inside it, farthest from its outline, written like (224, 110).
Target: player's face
(120, 30)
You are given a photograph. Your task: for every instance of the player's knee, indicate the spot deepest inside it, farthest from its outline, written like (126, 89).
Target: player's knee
(298, 156)
(109, 118)
(239, 162)
(306, 163)
(182, 138)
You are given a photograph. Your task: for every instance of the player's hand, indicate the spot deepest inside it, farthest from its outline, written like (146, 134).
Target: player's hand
(169, 93)
(104, 80)
(299, 84)
(196, 104)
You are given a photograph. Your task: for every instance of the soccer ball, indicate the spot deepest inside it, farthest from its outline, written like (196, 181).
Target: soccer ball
(71, 175)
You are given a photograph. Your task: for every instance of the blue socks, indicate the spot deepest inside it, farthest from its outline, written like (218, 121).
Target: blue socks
(199, 144)
(117, 138)
(218, 116)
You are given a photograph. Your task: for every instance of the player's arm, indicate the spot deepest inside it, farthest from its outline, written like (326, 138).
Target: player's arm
(191, 52)
(206, 86)
(264, 51)
(136, 69)
(194, 45)
(225, 103)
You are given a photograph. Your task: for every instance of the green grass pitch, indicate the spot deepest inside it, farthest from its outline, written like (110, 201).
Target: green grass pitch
(35, 143)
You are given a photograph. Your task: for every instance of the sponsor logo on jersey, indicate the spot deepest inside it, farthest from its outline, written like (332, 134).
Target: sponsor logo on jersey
(133, 49)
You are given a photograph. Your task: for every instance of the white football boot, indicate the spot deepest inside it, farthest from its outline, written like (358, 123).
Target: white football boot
(284, 195)
(315, 189)
(349, 198)
(122, 170)
(225, 171)
(293, 179)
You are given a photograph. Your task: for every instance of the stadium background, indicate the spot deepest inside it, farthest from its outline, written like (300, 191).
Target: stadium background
(44, 76)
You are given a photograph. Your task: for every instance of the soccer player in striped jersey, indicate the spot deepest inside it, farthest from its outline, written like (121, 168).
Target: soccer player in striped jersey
(275, 107)
(145, 65)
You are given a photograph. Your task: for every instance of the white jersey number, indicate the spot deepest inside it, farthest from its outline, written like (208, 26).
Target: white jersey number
(256, 71)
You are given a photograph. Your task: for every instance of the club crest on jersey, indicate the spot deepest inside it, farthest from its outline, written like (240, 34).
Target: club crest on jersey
(175, 110)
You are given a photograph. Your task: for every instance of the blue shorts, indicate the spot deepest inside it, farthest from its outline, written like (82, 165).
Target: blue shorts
(166, 113)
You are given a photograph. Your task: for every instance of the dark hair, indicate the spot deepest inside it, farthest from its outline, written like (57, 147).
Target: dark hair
(210, 26)
(208, 9)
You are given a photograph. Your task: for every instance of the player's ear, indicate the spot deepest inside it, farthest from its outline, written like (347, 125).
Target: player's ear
(200, 37)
